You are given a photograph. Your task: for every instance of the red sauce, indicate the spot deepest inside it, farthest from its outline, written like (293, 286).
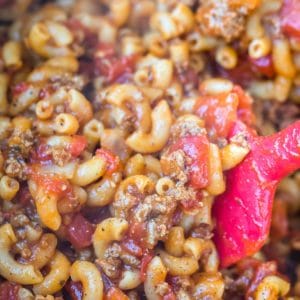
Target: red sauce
(79, 232)
(74, 290)
(9, 291)
(112, 161)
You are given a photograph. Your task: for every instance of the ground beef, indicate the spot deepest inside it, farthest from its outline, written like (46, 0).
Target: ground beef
(220, 19)
(173, 165)
(17, 152)
(15, 167)
(111, 264)
(60, 155)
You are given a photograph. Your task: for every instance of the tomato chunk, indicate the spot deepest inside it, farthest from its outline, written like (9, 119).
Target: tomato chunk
(219, 113)
(196, 148)
(80, 232)
(290, 18)
(115, 294)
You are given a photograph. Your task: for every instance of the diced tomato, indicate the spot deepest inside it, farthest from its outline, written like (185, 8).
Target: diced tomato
(52, 183)
(263, 65)
(290, 18)
(113, 161)
(219, 112)
(80, 231)
(78, 144)
(74, 290)
(9, 291)
(147, 257)
(263, 270)
(196, 148)
(115, 294)
(19, 88)
(279, 225)
(132, 247)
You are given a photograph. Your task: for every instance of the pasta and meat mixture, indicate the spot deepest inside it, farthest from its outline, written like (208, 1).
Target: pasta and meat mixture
(130, 167)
